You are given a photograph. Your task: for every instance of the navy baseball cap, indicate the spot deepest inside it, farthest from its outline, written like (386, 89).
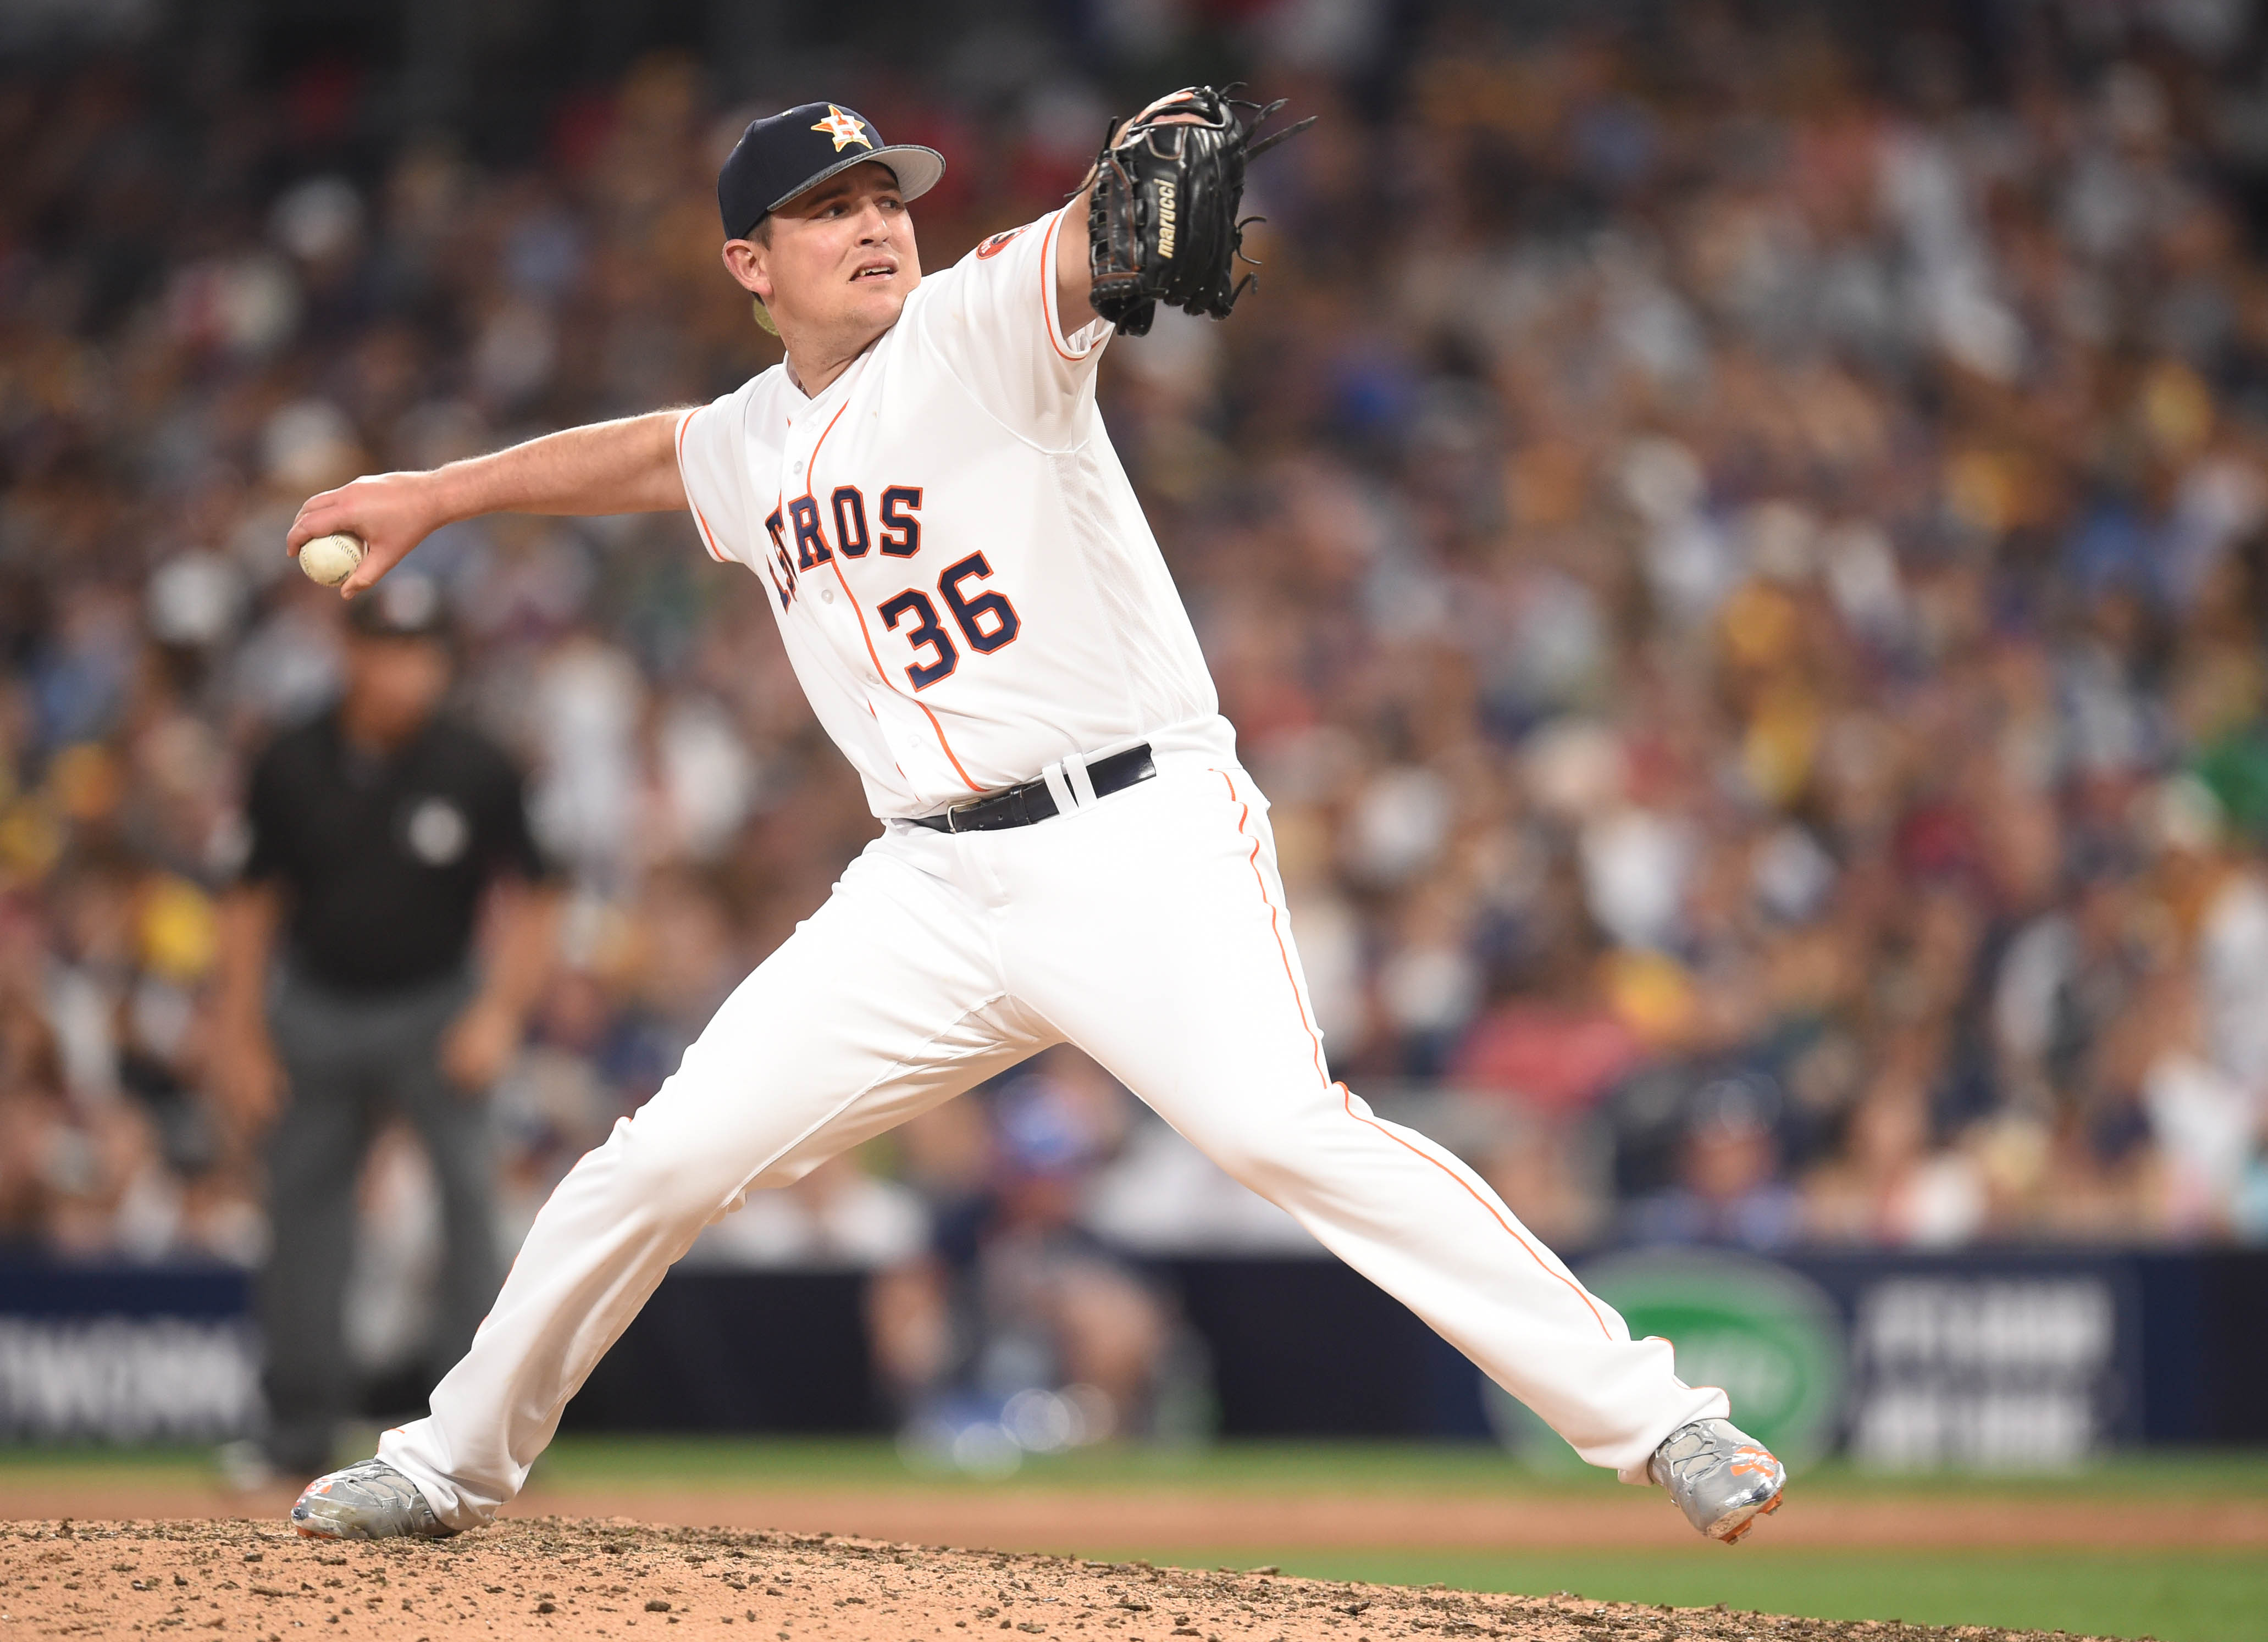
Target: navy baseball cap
(779, 158)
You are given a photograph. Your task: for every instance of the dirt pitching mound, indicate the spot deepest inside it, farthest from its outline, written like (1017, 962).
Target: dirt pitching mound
(606, 1579)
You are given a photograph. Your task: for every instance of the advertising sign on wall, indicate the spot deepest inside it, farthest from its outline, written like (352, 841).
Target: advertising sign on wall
(1986, 1372)
(126, 1356)
(2007, 1362)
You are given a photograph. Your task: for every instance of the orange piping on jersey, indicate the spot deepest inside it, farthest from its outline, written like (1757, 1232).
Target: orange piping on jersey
(811, 484)
(1347, 1094)
(708, 537)
(1047, 316)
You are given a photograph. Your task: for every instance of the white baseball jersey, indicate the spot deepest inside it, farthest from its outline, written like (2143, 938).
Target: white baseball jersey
(963, 577)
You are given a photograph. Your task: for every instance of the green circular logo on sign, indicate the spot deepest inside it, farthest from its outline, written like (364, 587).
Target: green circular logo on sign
(1769, 1335)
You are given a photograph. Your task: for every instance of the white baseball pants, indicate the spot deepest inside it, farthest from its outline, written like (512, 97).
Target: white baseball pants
(1149, 929)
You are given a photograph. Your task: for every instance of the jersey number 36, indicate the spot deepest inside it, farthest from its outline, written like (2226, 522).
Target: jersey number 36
(988, 621)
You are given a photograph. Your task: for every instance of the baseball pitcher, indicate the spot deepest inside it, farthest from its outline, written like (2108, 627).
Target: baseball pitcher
(976, 606)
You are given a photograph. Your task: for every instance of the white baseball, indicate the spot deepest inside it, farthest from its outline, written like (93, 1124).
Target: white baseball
(331, 560)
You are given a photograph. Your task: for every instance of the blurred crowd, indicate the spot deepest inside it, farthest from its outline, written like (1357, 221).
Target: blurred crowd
(1738, 551)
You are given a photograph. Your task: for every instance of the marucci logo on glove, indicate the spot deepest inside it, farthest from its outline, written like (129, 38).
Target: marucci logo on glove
(1172, 181)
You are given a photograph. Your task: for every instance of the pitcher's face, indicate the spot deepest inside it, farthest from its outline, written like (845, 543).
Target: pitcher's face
(838, 257)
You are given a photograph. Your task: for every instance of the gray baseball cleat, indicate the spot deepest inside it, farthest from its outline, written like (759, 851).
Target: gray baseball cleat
(1721, 1477)
(370, 1500)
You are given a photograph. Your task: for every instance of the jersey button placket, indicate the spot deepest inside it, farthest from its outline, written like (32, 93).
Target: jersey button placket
(847, 635)
(791, 485)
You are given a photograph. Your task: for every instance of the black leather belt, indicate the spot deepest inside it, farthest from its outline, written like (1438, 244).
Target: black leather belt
(1031, 801)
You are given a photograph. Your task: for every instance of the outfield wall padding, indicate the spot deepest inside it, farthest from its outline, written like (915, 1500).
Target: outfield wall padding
(2136, 1347)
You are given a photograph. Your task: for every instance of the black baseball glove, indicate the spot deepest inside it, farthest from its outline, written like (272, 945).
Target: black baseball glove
(1162, 226)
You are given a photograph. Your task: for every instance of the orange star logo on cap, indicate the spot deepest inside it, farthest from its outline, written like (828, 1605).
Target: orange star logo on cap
(844, 128)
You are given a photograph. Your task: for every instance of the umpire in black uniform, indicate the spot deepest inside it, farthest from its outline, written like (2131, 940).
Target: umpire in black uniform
(381, 833)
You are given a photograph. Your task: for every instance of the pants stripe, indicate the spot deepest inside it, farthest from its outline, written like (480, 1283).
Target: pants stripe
(1275, 924)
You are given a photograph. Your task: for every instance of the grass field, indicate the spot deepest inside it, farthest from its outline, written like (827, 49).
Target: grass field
(2178, 1598)
(2174, 1594)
